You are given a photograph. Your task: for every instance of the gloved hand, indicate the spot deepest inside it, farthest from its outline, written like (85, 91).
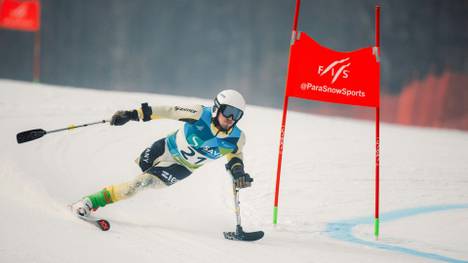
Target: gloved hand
(243, 181)
(121, 117)
(240, 178)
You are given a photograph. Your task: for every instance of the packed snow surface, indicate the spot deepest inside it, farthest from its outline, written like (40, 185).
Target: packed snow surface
(326, 200)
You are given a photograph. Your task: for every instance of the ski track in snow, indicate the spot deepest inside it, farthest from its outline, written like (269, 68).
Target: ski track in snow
(327, 179)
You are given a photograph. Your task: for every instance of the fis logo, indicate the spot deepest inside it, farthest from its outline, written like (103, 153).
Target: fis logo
(20, 11)
(336, 69)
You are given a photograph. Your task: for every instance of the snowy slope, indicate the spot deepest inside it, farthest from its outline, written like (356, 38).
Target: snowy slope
(326, 201)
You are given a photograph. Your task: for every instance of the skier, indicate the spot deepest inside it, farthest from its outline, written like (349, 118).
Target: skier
(208, 133)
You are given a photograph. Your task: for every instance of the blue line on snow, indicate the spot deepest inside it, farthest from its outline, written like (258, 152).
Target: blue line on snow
(342, 230)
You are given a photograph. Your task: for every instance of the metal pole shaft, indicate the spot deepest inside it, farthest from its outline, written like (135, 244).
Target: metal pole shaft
(236, 205)
(71, 127)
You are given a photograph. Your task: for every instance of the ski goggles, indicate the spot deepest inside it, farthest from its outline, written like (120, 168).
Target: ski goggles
(229, 111)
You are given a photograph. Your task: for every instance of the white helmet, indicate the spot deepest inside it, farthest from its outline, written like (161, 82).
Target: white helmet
(231, 103)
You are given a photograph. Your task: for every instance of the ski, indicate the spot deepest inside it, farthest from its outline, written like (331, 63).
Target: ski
(100, 223)
(240, 235)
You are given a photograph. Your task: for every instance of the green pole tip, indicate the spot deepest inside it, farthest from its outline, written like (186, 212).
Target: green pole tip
(376, 228)
(275, 215)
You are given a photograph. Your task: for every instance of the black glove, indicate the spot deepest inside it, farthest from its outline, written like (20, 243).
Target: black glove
(242, 181)
(240, 178)
(121, 117)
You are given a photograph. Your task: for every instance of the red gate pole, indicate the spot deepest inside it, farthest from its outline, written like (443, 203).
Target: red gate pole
(37, 56)
(283, 121)
(37, 48)
(377, 131)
